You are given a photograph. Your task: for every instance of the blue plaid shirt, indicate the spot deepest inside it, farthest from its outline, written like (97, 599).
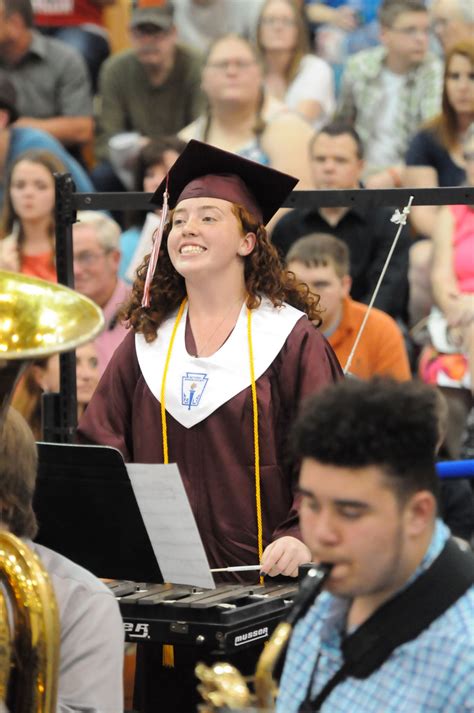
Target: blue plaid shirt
(434, 673)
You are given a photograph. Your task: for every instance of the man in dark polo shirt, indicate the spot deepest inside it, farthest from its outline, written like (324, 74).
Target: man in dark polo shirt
(337, 163)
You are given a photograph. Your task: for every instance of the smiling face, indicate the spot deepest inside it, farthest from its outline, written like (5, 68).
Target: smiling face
(232, 73)
(206, 239)
(354, 519)
(460, 85)
(32, 191)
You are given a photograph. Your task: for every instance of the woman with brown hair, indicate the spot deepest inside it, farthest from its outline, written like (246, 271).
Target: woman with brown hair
(243, 118)
(435, 154)
(435, 158)
(301, 80)
(27, 222)
(219, 355)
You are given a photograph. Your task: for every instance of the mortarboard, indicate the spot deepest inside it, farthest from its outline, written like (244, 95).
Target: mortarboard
(198, 170)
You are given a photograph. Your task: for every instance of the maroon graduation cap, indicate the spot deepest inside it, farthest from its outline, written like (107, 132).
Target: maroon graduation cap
(204, 171)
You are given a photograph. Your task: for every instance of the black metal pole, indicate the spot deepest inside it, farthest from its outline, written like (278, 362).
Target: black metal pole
(59, 410)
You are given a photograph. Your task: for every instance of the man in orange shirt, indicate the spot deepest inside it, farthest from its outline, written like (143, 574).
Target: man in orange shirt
(322, 261)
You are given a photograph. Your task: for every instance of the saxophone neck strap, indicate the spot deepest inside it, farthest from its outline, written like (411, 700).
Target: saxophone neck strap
(401, 619)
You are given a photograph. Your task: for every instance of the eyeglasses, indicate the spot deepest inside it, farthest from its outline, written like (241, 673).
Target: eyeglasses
(87, 258)
(274, 20)
(412, 31)
(468, 156)
(226, 63)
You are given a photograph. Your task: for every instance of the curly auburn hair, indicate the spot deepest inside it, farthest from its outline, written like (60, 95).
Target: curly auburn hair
(264, 273)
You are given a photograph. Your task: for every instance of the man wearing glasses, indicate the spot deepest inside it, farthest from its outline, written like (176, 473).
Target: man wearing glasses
(388, 91)
(96, 263)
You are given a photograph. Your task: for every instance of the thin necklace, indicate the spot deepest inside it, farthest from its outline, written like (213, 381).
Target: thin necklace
(208, 340)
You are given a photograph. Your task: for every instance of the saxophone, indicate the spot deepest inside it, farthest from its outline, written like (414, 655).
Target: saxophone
(223, 687)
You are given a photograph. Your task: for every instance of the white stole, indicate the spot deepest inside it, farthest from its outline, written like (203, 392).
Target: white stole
(198, 386)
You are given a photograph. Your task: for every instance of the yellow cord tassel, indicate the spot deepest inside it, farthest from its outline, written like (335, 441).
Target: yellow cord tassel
(168, 649)
(168, 656)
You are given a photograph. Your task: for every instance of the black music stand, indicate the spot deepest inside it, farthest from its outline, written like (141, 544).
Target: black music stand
(87, 511)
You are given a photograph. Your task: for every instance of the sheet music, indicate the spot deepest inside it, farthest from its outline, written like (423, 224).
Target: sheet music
(170, 524)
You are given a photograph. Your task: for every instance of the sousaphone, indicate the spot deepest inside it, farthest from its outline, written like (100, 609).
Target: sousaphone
(37, 319)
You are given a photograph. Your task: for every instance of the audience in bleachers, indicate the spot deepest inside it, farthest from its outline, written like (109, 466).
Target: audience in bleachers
(304, 82)
(51, 79)
(151, 89)
(452, 21)
(96, 240)
(243, 118)
(78, 23)
(323, 262)
(435, 158)
(341, 28)
(27, 221)
(200, 22)
(337, 162)
(152, 164)
(387, 91)
(15, 140)
(42, 376)
(448, 360)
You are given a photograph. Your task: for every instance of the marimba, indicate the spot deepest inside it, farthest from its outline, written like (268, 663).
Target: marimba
(224, 620)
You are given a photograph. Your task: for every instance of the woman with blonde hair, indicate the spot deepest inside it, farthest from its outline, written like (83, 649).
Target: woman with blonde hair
(27, 223)
(304, 82)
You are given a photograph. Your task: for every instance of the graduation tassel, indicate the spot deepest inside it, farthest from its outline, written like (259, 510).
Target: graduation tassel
(155, 251)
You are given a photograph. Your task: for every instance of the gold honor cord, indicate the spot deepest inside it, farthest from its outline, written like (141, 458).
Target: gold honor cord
(168, 649)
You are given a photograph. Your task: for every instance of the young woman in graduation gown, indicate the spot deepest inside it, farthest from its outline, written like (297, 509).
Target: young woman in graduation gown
(225, 323)
(221, 350)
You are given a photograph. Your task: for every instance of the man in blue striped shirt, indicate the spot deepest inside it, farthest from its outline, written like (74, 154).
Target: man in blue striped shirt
(368, 489)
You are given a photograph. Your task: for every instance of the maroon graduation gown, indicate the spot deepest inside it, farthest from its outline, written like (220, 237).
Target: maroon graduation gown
(216, 456)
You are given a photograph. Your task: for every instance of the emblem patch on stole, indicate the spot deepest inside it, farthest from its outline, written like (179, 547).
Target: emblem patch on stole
(192, 388)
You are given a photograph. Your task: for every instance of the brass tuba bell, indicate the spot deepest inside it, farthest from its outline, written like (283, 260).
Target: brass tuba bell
(37, 319)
